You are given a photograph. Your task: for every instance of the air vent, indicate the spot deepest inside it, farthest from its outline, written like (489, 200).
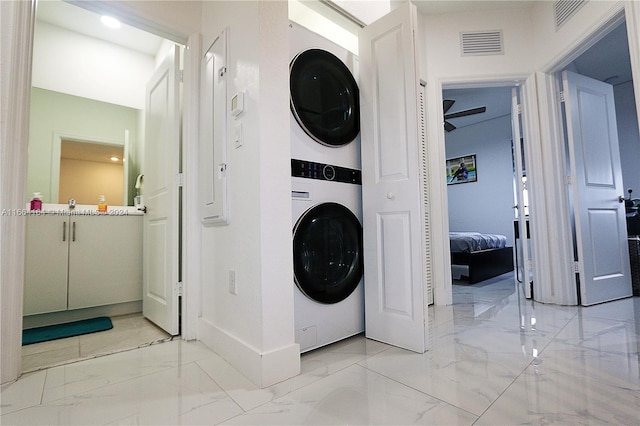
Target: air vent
(474, 43)
(563, 10)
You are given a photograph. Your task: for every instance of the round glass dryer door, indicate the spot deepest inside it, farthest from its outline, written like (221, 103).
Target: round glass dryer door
(327, 253)
(324, 97)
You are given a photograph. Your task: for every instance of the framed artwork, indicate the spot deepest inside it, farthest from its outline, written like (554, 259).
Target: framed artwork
(462, 170)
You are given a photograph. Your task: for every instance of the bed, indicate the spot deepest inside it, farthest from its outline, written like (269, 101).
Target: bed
(484, 255)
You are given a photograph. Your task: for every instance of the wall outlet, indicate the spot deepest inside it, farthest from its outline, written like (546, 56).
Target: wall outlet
(233, 289)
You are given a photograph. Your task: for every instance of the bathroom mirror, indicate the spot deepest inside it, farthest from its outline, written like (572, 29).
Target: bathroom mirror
(87, 168)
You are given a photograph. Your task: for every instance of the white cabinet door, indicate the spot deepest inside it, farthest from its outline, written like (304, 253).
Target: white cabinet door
(105, 260)
(47, 253)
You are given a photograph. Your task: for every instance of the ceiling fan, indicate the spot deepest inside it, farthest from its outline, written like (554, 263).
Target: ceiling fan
(446, 106)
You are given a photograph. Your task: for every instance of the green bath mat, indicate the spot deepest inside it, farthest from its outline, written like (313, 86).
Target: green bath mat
(70, 329)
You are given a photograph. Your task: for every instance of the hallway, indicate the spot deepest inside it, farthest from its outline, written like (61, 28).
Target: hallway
(496, 359)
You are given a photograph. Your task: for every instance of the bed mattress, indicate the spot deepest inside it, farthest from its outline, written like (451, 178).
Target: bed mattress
(467, 242)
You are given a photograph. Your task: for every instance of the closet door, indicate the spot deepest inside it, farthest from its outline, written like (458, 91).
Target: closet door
(396, 295)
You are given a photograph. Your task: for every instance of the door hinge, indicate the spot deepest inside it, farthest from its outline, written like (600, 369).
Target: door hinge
(576, 267)
(562, 96)
(181, 76)
(177, 288)
(519, 109)
(180, 180)
(569, 180)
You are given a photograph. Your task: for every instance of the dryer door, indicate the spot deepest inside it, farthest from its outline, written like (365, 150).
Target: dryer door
(324, 97)
(327, 253)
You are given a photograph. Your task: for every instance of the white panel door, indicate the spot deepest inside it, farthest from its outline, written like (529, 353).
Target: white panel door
(395, 291)
(601, 228)
(161, 166)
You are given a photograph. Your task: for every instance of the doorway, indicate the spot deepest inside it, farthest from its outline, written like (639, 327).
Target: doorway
(479, 134)
(104, 101)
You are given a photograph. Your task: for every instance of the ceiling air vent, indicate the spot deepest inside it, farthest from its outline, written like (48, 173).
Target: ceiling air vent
(563, 10)
(475, 43)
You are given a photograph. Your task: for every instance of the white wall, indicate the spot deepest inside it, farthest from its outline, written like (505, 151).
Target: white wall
(442, 45)
(253, 330)
(328, 24)
(486, 205)
(69, 62)
(172, 19)
(550, 46)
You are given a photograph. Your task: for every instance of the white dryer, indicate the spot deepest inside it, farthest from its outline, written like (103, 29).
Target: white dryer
(325, 103)
(327, 252)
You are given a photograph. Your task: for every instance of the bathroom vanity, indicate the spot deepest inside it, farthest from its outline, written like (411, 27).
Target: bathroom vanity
(81, 259)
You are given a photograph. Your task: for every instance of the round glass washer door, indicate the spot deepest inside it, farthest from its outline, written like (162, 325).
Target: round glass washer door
(324, 97)
(327, 253)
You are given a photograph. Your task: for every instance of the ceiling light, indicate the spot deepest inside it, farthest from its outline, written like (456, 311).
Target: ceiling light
(110, 22)
(114, 158)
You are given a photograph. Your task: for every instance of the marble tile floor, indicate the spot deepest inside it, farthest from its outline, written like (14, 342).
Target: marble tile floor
(496, 359)
(128, 332)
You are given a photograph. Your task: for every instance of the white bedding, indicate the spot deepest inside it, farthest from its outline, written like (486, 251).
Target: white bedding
(466, 242)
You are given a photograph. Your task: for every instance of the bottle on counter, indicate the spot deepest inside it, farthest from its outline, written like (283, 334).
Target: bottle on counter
(102, 204)
(36, 201)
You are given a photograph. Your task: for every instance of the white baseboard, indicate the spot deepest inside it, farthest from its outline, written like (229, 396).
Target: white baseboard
(262, 368)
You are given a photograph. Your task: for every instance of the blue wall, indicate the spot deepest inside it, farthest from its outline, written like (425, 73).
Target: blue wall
(627, 119)
(486, 205)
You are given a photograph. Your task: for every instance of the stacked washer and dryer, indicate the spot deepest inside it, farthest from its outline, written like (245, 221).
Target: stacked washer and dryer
(326, 191)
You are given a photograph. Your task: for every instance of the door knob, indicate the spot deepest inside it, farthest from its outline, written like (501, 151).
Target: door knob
(621, 199)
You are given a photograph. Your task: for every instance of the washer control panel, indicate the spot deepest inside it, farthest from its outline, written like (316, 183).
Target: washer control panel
(311, 170)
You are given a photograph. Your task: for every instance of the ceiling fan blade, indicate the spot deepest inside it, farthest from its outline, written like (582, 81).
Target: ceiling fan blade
(447, 104)
(448, 126)
(466, 112)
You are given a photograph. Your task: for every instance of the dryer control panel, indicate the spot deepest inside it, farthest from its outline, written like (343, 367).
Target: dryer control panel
(320, 171)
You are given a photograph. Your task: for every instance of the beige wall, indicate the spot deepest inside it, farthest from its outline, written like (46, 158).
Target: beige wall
(85, 181)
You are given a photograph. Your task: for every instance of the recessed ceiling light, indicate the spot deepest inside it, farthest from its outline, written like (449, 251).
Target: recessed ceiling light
(110, 22)
(114, 158)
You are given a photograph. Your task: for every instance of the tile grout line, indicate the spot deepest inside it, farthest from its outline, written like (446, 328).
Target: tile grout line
(525, 368)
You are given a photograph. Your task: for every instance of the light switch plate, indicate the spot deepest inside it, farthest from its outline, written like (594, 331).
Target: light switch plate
(237, 104)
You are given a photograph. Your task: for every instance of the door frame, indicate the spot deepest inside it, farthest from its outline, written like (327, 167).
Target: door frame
(14, 178)
(444, 287)
(559, 285)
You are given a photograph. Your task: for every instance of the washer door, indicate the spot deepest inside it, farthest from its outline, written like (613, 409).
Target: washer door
(327, 253)
(324, 97)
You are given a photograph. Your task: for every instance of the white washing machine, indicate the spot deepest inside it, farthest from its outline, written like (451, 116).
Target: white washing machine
(327, 253)
(325, 100)
(326, 191)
